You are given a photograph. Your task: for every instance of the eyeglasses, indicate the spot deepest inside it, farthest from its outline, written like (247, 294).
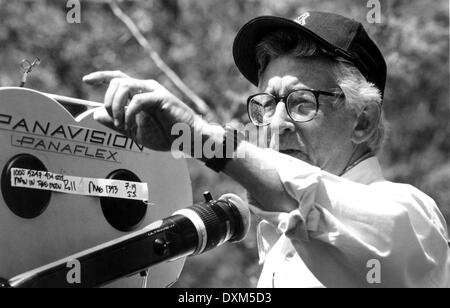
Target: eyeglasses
(301, 105)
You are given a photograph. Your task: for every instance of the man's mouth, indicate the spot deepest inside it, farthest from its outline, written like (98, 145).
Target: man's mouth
(289, 151)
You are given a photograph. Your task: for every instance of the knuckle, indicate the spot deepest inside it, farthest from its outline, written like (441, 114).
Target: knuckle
(115, 81)
(153, 83)
(125, 84)
(137, 99)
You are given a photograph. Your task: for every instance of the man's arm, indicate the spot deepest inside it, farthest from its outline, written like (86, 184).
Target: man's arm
(256, 171)
(152, 112)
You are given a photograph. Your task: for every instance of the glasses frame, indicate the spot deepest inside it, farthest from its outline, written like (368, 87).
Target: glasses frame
(285, 98)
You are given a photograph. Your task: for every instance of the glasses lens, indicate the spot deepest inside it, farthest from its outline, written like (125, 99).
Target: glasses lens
(302, 105)
(261, 109)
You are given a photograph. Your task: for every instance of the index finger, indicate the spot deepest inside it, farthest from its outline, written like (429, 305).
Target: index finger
(103, 77)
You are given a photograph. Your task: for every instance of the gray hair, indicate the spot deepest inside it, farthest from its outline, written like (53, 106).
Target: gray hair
(358, 91)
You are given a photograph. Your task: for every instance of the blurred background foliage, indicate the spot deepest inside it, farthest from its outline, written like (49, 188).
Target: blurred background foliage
(195, 39)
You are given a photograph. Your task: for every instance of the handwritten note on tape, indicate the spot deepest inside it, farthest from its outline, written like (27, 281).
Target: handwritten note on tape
(78, 186)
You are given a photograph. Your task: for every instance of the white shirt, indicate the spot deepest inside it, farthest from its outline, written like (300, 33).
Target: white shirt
(358, 230)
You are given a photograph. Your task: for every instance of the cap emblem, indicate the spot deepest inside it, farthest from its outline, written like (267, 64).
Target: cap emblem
(302, 19)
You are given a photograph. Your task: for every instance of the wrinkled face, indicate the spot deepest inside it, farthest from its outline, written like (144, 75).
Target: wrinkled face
(326, 140)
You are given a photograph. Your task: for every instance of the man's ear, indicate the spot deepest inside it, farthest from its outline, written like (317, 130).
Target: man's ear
(366, 123)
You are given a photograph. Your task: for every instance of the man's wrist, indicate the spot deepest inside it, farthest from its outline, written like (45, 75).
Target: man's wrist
(214, 145)
(221, 148)
(211, 134)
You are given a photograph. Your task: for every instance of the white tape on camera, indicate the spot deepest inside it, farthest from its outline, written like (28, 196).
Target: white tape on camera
(60, 183)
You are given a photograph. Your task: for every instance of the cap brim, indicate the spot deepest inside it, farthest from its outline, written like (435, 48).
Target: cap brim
(251, 34)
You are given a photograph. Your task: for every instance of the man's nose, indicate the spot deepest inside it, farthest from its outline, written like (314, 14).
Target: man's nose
(281, 121)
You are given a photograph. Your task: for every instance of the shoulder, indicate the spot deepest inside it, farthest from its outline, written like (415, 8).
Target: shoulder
(415, 201)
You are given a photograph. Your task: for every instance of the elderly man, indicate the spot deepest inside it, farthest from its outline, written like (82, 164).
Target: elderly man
(330, 218)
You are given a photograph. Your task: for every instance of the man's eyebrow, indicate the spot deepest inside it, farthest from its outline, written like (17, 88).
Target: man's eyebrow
(295, 87)
(299, 86)
(334, 89)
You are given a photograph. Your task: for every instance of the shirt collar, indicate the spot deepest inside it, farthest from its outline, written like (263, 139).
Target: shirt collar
(366, 172)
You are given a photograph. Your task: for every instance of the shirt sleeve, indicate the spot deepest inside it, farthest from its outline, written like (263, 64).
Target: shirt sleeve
(381, 235)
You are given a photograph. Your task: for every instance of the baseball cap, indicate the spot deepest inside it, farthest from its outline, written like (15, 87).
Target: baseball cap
(338, 35)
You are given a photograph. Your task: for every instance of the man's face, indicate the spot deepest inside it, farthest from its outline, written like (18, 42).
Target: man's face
(326, 140)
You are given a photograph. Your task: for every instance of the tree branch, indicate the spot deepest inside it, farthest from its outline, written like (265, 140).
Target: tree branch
(199, 105)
